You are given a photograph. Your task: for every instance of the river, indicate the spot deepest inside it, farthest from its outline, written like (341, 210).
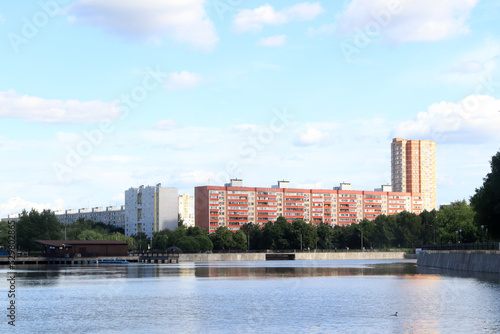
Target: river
(252, 297)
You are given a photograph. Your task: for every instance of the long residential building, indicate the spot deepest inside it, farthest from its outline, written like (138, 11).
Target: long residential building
(113, 215)
(234, 205)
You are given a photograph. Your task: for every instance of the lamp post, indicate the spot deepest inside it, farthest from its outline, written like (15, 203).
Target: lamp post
(482, 229)
(434, 231)
(457, 236)
(460, 234)
(361, 238)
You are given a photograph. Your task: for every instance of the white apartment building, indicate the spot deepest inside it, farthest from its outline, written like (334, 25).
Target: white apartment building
(150, 209)
(186, 209)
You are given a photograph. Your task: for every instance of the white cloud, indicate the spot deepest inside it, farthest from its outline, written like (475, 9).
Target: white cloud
(36, 109)
(113, 158)
(325, 29)
(311, 135)
(268, 66)
(407, 21)
(254, 20)
(68, 137)
(467, 67)
(273, 41)
(476, 119)
(182, 80)
(16, 205)
(166, 124)
(474, 64)
(183, 21)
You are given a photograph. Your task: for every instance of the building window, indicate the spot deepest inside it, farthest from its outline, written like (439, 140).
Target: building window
(139, 198)
(139, 214)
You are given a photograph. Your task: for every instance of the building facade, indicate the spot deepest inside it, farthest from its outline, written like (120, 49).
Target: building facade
(234, 205)
(186, 209)
(413, 169)
(113, 215)
(150, 209)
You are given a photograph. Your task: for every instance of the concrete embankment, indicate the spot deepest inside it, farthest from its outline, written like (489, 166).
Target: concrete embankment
(472, 260)
(298, 256)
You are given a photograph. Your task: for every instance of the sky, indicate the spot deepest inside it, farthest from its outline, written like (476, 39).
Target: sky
(100, 96)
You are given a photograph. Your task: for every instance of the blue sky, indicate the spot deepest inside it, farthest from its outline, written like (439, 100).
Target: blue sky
(96, 97)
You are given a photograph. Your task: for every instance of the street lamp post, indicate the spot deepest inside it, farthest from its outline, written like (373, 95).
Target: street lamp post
(482, 229)
(460, 234)
(361, 238)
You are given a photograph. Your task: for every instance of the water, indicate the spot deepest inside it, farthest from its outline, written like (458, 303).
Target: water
(253, 297)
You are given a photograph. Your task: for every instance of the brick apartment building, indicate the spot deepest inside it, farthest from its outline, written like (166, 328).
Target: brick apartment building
(234, 205)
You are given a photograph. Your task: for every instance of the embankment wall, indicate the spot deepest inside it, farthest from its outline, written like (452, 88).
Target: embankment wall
(473, 260)
(298, 256)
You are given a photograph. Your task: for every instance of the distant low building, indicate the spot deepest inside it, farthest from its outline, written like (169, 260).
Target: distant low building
(112, 215)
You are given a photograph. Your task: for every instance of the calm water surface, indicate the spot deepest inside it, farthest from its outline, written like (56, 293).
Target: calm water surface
(253, 297)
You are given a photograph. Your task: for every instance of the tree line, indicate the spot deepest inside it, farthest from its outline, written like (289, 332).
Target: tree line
(458, 222)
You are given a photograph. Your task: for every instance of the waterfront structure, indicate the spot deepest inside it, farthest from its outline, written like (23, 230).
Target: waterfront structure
(150, 209)
(83, 248)
(112, 215)
(186, 209)
(234, 205)
(413, 169)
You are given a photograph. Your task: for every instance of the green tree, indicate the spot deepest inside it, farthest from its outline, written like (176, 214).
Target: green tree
(187, 243)
(369, 229)
(455, 217)
(326, 236)
(305, 231)
(486, 200)
(160, 240)
(142, 240)
(204, 242)
(4, 234)
(240, 240)
(256, 234)
(385, 232)
(37, 226)
(176, 234)
(429, 226)
(180, 221)
(222, 239)
(409, 229)
(280, 234)
(91, 235)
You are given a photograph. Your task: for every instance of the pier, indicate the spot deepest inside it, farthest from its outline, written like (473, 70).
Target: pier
(159, 257)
